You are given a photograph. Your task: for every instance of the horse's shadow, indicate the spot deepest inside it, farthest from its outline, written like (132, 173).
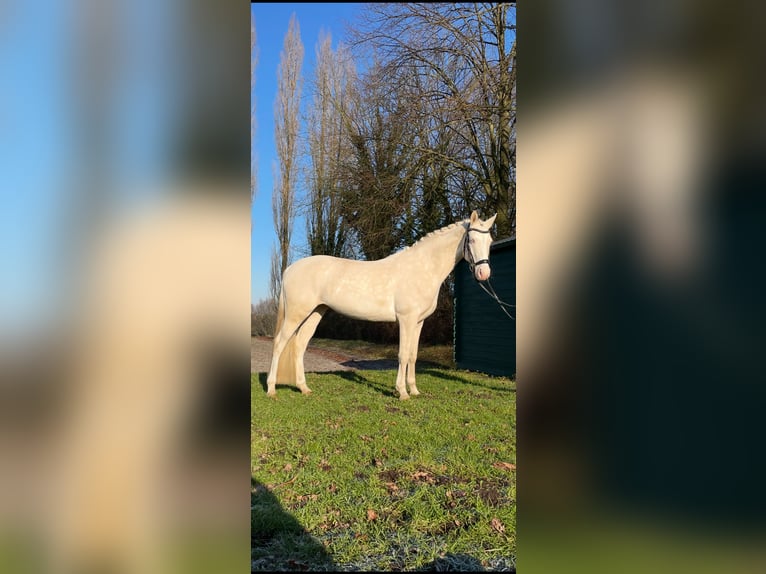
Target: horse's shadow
(277, 540)
(431, 370)
(262, 380)
(371, 364)
(451, 376)
(355, 377)
(351, 376)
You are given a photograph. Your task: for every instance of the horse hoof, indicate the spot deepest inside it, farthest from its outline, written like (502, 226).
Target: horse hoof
(306, 391)
(404, 397)
(272, 394)
(414, 392)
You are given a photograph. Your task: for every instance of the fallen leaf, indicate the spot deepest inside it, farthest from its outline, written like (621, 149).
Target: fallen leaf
(424, 476)
(371, 514)
(288, 467)
(332, 487)
(505, 466)
(497, 525)
(471, 437)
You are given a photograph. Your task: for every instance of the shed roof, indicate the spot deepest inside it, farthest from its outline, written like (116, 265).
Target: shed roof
(504, 243)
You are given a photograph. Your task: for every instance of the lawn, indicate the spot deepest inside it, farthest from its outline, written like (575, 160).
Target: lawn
(351, 478)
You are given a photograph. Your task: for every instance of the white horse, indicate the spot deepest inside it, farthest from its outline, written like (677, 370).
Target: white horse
(402, 287)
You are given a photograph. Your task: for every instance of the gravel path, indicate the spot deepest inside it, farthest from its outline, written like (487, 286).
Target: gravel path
(315, 360)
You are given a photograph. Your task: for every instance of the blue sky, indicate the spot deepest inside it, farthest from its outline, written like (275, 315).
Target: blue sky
(47, 116)
(271, 21)
(33, 157)
(40, 157)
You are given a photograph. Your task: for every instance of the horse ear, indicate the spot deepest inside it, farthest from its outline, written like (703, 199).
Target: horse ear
(474, 216)
(490, 221)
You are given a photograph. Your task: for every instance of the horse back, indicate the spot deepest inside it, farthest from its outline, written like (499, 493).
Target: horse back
(359, 289)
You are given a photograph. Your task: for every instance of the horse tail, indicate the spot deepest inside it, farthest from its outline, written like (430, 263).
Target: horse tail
(287, 372)
(280, 312)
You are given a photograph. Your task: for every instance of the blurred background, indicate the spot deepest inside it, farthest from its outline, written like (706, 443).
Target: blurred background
(124, 242)
(640, 289)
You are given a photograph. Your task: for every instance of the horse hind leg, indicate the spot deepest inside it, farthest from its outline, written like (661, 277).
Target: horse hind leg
(299, 343)
(284, 335)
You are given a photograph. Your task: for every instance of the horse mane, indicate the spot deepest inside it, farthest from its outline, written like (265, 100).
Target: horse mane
(435, 233)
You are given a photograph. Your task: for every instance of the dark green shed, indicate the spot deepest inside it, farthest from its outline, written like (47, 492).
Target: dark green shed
(485, 337)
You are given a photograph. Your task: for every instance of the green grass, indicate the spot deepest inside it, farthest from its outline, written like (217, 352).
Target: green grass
(435, 355)
(352, 478)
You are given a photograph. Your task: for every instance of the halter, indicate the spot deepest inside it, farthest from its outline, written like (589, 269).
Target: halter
(467, 254)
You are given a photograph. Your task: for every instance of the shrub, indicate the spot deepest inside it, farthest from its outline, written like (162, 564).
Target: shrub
(263, 318)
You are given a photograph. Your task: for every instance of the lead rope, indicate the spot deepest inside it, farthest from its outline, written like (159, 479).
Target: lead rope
(468, 256)
(491, 293)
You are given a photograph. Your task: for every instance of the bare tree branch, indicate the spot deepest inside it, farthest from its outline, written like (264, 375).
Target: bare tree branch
(465, 54)
(286, 132)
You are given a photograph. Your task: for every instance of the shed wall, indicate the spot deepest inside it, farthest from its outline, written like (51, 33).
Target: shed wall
(485, 337)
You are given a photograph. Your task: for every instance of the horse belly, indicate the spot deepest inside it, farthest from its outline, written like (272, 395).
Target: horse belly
(363, 298)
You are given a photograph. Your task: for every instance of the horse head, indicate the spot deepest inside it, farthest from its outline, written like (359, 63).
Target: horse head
(476, 246)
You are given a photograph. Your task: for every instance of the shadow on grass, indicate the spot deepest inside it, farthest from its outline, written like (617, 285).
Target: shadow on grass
(355, 377)
(388, 364)
(262, 380)
(454, 376)
(278, 542)
(372, 364)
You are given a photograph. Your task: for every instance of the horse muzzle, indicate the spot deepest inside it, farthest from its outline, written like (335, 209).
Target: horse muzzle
(482, 272)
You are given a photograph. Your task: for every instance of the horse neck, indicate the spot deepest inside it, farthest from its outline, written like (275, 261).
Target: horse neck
(442, 252)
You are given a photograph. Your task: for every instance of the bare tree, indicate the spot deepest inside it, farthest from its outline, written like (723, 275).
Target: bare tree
(466, 55)
(329, 148)
(286, 127)
(381, 175)
(275, 276)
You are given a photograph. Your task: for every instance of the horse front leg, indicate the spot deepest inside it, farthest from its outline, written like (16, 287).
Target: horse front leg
(407, 328)
(412, 359)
